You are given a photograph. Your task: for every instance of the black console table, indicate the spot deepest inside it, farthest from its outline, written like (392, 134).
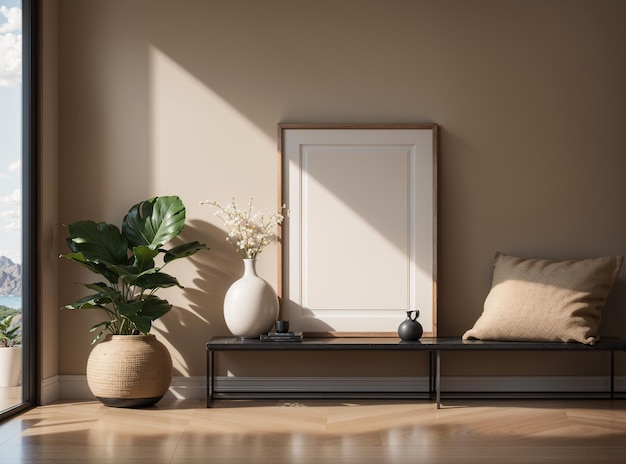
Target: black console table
(433, 346)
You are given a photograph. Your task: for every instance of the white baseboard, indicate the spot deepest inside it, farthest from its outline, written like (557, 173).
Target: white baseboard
(49, 391)
(544, 384)
(74, 387)
(183, 388)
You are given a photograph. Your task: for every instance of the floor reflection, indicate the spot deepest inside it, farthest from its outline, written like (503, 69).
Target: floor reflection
(9, 397)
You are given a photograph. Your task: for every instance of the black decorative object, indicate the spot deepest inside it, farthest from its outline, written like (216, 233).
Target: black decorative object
(410, 329)
(282, 326)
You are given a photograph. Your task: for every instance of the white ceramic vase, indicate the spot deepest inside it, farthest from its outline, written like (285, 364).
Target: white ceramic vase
(250, 305)
(10, 366)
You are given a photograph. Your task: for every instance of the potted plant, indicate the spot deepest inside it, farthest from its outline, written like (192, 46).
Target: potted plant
(10, 351)
(130, 368)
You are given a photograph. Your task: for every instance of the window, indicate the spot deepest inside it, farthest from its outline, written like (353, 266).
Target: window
(17, 205)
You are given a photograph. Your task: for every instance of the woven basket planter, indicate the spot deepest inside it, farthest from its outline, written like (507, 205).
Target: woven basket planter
(129, 371)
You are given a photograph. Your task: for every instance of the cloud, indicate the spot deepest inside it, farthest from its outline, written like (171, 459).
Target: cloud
(13, 199)
(10, 214)
(13, 226)
(10, 46)
(13, 21)
(15, 165)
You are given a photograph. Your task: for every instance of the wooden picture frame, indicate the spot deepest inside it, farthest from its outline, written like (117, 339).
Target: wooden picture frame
(358, 249)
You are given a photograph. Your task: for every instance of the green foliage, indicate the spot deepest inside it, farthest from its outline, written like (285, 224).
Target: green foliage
(6, 311)
(10, 331)
(126, 259)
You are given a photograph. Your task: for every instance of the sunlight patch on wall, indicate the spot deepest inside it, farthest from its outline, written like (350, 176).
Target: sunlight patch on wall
(203, 148)
(201, 143)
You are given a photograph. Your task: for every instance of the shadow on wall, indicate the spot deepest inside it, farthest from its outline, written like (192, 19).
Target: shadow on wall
(186, 328)
(613, 315)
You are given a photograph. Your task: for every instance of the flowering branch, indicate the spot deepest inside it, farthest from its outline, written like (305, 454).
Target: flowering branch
(249, 231)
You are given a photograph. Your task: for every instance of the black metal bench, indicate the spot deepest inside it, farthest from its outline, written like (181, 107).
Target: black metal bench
(433, 346)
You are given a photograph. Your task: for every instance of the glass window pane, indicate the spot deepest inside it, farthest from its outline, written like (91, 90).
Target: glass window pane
(10, 203)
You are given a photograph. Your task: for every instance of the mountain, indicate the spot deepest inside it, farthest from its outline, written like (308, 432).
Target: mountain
(10, 277)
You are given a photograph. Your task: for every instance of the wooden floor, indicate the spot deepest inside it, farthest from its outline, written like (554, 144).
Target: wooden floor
(9, 397)
(320, 431)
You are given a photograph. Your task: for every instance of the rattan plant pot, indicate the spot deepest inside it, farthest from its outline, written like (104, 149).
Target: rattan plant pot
(129, 371)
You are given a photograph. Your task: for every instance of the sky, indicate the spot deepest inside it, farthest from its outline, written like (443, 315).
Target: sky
(10, 129)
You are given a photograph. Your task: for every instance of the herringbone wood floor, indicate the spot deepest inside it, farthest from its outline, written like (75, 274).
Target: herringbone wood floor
(503, 432)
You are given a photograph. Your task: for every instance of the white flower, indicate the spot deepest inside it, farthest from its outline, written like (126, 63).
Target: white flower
(249, 231)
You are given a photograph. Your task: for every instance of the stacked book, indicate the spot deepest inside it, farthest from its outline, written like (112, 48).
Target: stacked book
(282, 337)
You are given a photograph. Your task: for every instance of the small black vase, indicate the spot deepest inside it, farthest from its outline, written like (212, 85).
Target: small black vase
(410, 329)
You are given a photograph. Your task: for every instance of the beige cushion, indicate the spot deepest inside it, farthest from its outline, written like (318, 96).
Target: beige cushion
(541, 300)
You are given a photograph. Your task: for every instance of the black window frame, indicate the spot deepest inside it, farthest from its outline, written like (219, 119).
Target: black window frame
(30, 195)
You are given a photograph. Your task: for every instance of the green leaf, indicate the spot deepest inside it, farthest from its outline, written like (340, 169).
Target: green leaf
(99, 300)
(154, 222)
(155, 307)
(94, 267)
(129, 309)
(184, 250)
(144, 258)
(104, 325)
(128, 274)
(10, 331)
(98, 242)
(142, 264)
(157, 280)
(142, 324)
(6, 322)
(79, 305)
(104, 292)
(152, 308)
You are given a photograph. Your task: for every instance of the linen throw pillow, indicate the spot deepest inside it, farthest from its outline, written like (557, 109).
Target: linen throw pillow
(543, 300)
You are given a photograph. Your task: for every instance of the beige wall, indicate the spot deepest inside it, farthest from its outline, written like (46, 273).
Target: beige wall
(159, 97)
(49, 192)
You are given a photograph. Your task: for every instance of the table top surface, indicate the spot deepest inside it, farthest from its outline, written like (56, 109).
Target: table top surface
(396, 344)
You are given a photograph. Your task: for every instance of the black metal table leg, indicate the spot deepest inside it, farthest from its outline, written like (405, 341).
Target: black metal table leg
(431, 378)
(210, 384)
(438, 378)
(612, 374)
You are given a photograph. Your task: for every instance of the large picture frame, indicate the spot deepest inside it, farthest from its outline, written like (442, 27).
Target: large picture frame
(359, 247)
